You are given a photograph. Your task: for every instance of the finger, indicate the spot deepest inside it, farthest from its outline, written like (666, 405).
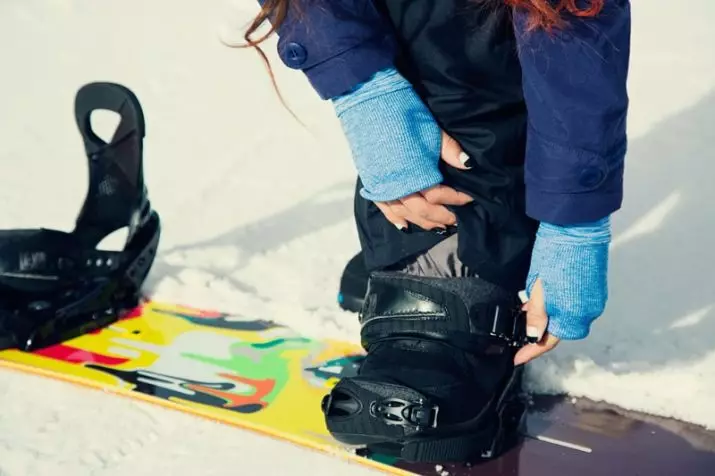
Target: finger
(419, 206)
(536, 318)
(453, 154)
(531, 351)
(396, 220)
(444, 195)
(536, 323)
(403, 212)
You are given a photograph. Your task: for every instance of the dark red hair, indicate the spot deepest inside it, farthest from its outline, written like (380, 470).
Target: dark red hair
(545, 14)
(549, 14)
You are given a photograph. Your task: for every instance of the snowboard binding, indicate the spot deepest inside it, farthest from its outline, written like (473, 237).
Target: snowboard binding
(438, 383)
(56, 285)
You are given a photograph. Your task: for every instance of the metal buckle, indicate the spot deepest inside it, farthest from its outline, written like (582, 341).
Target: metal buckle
(399, 412)
(517, 336)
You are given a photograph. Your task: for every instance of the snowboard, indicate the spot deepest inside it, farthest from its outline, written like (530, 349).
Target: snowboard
(266, 377)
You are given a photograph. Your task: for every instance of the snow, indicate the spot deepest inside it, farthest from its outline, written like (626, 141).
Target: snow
(89, 433)
(257, 218)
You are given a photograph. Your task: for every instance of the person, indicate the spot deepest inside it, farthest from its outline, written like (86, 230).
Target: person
(489, 138)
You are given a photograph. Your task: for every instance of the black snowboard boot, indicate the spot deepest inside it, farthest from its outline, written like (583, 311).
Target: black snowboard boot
(353, 284)
(438, 382)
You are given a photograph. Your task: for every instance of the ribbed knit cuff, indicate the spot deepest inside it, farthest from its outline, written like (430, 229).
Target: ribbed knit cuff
(394, 139)
(572, 263)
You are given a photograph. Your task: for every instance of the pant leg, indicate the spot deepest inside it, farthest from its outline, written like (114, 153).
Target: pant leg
(462, 61)
(440, 261)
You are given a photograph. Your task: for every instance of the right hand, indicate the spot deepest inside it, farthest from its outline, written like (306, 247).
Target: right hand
(426, 208)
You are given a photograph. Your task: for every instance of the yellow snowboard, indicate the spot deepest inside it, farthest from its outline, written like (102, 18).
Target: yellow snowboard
(249, 373)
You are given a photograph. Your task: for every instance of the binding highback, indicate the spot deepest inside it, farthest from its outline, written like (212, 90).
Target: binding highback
(56, 285)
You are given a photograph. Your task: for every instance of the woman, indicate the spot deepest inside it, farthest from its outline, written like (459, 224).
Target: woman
(525, 103)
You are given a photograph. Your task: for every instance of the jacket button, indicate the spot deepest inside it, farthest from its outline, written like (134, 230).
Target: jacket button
(591, 177)
(295, 54)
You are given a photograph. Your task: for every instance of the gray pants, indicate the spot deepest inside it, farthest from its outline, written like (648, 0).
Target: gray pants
(440, 261)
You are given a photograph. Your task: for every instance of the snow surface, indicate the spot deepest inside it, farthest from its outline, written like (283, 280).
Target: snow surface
(257, 218)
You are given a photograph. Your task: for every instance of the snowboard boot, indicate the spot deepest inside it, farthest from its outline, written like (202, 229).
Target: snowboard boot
(56, 285)
(353, 284)
(438, 383)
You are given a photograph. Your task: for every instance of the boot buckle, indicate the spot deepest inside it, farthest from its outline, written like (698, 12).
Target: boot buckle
(509, 327)
(399, 412)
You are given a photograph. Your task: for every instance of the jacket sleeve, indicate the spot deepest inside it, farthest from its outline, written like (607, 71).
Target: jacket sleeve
(575, 90)
(338, 44)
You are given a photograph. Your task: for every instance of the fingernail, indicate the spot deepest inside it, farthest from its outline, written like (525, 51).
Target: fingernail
(532, 335)
(523, 296)
(465, 160)
(401, 227)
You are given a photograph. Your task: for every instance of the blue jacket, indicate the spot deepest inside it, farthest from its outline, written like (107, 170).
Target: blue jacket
(574, 86)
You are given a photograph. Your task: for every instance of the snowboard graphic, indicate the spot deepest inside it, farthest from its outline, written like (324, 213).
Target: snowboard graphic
(265, 377)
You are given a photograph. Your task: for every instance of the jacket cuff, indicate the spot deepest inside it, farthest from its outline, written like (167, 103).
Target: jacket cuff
(566, 186)
(569, 329)
(341, 73)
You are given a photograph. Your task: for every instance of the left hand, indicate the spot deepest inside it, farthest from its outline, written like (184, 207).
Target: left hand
(426, 208)
(536, 323)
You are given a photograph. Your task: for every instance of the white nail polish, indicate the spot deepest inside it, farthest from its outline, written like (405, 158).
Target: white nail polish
(399, 226)
(523, 297)
(463, 158)
(532, 331)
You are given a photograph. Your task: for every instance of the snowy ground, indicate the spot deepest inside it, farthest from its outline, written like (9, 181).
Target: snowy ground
(257, 210)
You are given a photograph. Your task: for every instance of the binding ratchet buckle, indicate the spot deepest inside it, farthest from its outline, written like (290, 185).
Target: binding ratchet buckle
(397, 412)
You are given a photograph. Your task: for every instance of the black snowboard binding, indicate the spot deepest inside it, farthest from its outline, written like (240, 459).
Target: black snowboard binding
(56, 285)
(438, 382)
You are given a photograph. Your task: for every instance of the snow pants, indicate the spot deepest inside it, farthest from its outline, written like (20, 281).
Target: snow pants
(462, 60)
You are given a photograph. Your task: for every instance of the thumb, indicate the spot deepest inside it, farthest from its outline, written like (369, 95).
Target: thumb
(536, 323)
(453, 154)
(536, 318)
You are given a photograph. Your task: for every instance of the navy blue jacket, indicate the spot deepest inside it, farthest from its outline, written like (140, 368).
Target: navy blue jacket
(574, 86)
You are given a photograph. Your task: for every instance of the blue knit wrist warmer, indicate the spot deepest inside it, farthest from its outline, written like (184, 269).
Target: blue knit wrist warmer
(394, 139)
(572, 262)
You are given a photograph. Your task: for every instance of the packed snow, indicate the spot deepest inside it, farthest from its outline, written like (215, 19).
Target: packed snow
(257, 218)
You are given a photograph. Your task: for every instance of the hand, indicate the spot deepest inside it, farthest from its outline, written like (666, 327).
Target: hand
(536, 322)
(426, 208)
